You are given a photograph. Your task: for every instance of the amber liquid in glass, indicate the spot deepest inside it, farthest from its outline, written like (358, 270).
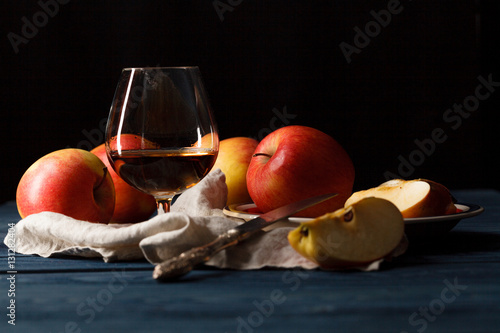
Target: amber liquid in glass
(163, 172)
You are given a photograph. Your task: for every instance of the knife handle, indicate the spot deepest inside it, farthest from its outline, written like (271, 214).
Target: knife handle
(185, 262)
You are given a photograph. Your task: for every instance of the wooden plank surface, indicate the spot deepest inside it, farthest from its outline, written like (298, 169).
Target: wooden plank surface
(449, 284)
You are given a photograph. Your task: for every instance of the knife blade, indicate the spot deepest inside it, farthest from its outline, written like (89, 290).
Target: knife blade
(185, 262)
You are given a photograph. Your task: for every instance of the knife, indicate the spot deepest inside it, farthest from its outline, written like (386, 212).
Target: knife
(184, 263)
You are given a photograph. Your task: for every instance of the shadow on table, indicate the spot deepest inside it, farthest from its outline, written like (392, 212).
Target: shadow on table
(456, 242)
(199, 274)
(448, 248)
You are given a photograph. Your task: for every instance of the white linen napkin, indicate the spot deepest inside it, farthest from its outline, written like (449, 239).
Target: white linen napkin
(195, 219)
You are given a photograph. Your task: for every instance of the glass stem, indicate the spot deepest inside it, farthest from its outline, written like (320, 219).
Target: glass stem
(163, 205)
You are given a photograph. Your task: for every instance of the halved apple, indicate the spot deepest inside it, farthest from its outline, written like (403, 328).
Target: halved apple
(414, 198)
(368, 230)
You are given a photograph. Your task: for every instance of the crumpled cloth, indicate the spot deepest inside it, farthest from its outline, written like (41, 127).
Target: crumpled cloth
(195, 219)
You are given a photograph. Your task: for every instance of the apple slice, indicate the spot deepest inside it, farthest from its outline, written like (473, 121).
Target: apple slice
(414, 198)
(368, 230)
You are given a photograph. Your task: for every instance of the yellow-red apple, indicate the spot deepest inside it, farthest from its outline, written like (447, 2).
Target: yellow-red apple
(73, 182)
(131, 205)
(414, 198)
(368, 230)
(234, 158)
(297, 162)
(209, 141)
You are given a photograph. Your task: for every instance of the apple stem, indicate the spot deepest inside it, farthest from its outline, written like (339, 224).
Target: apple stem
(105, 170)
(261, 154)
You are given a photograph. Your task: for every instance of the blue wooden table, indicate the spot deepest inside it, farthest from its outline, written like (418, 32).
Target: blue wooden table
(447, 284)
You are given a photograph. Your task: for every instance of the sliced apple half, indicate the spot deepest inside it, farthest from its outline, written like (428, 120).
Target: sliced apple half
(414, 198)
(368, 230)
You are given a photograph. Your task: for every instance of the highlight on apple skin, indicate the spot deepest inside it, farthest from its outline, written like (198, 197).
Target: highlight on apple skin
(360, 234)
(73, 182)
(297, 162)
(414, 198)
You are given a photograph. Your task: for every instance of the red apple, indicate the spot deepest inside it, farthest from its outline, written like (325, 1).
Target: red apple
(234, 157)
(73, 182)
(131, 205)
(297, 162)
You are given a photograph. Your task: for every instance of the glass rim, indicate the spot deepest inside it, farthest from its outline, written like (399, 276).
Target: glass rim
(159, 68)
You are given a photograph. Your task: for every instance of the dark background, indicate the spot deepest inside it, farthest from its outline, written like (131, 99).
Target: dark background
(264, 56)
